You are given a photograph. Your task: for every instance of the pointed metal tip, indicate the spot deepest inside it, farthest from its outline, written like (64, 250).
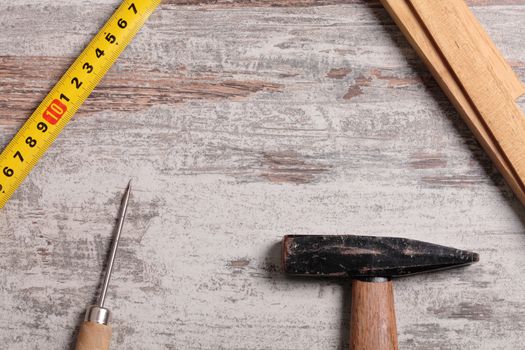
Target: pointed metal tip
(114, 246)
(125, 198)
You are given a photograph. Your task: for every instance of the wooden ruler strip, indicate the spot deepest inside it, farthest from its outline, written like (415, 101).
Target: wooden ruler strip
(423, 42)
(502, 68)
(467, 56)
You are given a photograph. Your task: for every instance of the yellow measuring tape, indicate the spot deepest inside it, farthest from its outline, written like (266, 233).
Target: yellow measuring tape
(60, 105)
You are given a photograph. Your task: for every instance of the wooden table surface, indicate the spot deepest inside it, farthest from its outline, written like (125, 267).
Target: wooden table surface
(241, 121)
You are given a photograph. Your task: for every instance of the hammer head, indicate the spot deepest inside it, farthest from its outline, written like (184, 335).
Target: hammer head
(365, 256)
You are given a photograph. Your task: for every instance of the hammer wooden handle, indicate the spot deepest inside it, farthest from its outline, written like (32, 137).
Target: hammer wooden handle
(373, 318)
(93, 336)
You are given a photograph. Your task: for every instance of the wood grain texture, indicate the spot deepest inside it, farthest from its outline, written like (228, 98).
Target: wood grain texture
(484, 80)
(344, 132)
(93, 336)
(373, 316)
(419, 37)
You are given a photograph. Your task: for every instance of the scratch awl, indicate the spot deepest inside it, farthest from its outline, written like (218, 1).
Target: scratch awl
(95, 332)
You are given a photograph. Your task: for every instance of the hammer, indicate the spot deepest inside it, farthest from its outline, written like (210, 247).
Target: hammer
(371, 263)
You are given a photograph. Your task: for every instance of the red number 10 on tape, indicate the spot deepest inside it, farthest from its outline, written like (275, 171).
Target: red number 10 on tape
(54, 112)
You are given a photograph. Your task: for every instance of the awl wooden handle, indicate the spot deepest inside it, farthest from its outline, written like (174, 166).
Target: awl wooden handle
(373, 318)
(94, 336)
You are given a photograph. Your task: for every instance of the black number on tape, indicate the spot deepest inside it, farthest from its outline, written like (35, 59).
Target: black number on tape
(99, 53)
(133, 8)
(31, 142)
(87, 67)
(111, 38)
(19, 155)
(76, 82)
(8, 172)
(42, 126)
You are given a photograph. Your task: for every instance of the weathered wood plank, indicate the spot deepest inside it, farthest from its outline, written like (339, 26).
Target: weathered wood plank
(278, 3)
(263, 121)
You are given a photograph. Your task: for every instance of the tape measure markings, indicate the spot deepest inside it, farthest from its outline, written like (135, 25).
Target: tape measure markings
(60, 105)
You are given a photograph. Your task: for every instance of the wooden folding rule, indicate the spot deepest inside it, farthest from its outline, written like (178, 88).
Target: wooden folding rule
(473, 74)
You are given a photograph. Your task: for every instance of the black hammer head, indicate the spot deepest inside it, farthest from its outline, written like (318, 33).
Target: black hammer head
(365, 256)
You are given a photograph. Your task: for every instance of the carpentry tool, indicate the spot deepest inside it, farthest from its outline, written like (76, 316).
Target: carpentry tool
(59, 106)
(473, 74)
(95, 332)
(371, 262)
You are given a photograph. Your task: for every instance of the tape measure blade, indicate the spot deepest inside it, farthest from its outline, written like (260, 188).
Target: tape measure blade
(49, 119)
